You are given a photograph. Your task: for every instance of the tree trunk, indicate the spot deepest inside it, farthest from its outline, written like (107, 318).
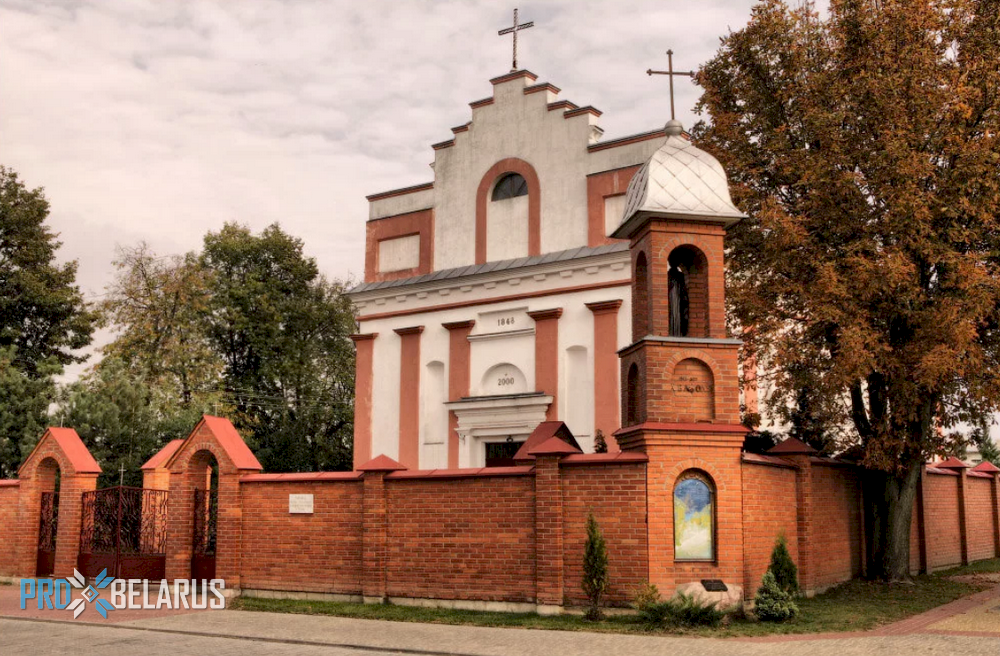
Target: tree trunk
(888, 513)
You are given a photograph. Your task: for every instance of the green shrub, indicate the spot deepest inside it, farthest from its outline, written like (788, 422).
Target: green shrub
(646, 595)
(772, 604)
(689, 611)
(595, 568)
(683, 610)
(786, 574)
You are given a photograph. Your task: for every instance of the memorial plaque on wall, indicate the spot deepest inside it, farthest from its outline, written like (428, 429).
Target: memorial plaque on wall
(300, 504)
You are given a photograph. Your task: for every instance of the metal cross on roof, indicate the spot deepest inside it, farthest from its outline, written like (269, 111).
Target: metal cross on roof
(514, 30)
(671, 73)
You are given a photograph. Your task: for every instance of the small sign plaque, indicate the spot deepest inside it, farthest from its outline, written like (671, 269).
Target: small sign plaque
(300, 504)
(714, 585)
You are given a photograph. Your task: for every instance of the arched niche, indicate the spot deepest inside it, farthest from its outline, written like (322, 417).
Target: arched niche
(434, 396)
(694, 499)
(693, 388)
(503, 378)
(687, 292)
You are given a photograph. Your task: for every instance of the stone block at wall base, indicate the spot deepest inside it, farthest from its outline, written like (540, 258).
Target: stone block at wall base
(303, 596)
(731, 598)
(548, 609)
(465, 604)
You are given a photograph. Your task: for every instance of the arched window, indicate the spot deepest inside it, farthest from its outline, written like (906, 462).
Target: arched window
(510, 186)
(632, 394)
(694, 517)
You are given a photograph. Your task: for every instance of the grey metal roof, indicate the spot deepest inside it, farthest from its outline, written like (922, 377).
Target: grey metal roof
(490, 267)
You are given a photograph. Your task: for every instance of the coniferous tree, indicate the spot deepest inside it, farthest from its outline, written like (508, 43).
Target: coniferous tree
(595, 568)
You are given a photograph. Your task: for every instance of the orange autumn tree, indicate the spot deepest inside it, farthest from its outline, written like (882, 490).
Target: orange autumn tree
(863, 143)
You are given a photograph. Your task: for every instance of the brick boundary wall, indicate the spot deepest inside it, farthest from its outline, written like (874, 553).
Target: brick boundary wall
(465, 536)
(512, 538)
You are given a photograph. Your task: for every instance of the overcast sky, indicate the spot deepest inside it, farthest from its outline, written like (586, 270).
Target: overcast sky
(159, 120)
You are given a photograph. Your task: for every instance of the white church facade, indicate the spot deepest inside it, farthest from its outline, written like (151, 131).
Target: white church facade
(493, 297)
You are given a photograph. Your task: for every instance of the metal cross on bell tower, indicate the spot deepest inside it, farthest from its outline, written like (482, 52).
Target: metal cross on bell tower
(514, 30)
(670, 72)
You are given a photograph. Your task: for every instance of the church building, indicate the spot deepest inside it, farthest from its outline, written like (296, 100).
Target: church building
(494, 296)
(498, 295)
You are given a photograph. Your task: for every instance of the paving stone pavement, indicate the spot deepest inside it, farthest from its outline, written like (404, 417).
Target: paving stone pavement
(969, 627)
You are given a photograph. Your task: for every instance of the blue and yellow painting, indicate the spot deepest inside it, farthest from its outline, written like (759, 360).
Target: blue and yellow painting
(693, 520)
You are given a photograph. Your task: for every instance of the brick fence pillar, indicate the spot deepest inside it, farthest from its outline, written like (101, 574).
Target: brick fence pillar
(71, 491)
(800, 454)
(375, 528)
(804, 521)
(549, 525)
(963, 513)
(922, 534)
(996, 513)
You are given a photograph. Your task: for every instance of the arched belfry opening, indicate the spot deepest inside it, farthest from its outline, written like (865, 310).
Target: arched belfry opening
(640, 297)
(687, 292)
(633, 396)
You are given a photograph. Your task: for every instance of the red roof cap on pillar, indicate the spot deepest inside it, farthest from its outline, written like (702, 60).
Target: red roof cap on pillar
(986, 467)
(951, 463)
(542, 434)
(229, 439)
(381, 463)
(76, 452)
(163, 455)
(554, 447)
(792, 447)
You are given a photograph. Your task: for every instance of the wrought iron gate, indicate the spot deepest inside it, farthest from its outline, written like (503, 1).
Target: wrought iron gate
(48, 525)
(124, 530)
(206, 519)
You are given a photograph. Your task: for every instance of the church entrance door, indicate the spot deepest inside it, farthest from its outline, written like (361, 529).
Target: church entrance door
(501, 454)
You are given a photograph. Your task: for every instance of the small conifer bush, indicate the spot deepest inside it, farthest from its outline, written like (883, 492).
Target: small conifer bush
(772, 604)
(783, 567)
(600, 442)
(595, 568)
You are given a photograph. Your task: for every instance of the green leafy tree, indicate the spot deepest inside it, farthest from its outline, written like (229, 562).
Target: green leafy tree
(157, 306)
(24, 404)
(122, 421)
(980, 437)
(282, 331)
(863, 143)
(42, 313)
(595, 568)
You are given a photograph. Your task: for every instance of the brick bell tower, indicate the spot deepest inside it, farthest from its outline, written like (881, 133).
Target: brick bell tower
(679, 380)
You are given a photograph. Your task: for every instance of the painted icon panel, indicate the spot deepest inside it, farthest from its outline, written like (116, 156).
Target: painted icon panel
(693, 514)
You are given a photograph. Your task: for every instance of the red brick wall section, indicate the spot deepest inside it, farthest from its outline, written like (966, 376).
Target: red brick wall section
(599, 187)
(463, 538)
(943, 537)
(320, 552)
(836, 530)
(767, 514)
(8, 527)
(982, 521)
(617, 496)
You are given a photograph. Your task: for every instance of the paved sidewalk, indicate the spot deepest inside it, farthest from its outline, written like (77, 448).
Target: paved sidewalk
(945, 630)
